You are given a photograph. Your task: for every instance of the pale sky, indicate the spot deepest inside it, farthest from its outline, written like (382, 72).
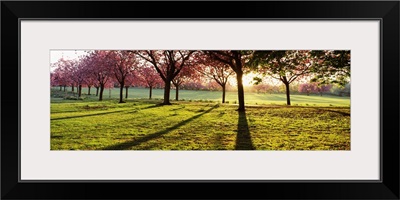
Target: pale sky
(55, 55)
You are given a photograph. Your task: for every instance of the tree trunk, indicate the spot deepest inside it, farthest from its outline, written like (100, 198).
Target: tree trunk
(89, 90)
(287, 94)
(101, 93)
(109, 93)
(121, 93)
(126, 92)
(177, 93)
(97, 91)
(167, 90)
(73, 88)
(151, 88)
(64, 88)
(239, 76)
(60, 88)
(79, 90)
(223, 93)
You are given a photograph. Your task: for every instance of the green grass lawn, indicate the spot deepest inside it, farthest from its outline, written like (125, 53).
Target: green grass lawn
(143, 125)
(231, 97)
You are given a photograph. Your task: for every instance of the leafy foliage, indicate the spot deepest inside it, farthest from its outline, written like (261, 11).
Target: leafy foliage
(333, 67)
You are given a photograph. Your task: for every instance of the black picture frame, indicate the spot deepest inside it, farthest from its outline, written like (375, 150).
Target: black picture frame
(386, 11)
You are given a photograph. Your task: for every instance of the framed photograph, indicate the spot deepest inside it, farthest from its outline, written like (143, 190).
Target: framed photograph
(200, 99)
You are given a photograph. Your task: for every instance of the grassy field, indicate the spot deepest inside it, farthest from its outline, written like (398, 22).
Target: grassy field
(231, 97)
(188, 125)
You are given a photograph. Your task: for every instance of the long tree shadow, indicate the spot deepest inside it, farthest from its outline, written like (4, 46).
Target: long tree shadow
(334, 111)
(106, 113)
(88, 115)
(69, 111)
(136, 142)
(243, 137)
(145, 108)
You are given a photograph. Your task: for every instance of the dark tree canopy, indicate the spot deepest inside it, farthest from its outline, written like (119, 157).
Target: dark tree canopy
(237, 61)
(326, 67)
(333, 67)
(286, 66)
(168, 64)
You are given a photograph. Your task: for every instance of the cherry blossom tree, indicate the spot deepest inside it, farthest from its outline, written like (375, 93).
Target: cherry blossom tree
(262, 88)
(314, 88)
(53, 80)
(187, 74)
(149, 78)
(307, 88)
(65, 70)
(100, 68)
(217, 71)
(130, 80)
(97, 86)
(168, 64)
(193, 85)
(90, 82)
(59, 78)
(323, 89)
(84, 74)
(122, 63)
(211, 85)
(80, 73)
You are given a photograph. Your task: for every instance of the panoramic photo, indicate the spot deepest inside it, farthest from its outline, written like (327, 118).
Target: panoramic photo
(200, 100)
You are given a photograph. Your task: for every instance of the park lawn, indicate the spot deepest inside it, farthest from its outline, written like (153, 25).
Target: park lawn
(144, 125)
(251, 98)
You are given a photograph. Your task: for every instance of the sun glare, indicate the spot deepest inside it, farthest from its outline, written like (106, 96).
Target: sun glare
(247, 79)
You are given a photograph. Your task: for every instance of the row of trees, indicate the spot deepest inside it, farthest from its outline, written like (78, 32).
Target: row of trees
(314, 88)
(102, 68)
